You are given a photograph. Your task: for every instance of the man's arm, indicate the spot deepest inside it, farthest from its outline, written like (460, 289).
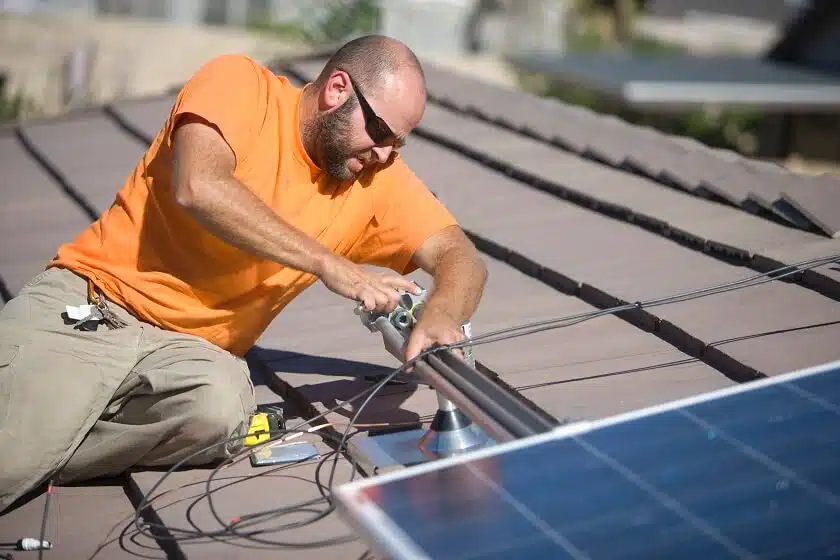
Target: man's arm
(460, 276)
(204, 185)
(459, 272)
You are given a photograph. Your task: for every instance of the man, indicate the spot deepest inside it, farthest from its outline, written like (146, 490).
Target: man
(252, 191)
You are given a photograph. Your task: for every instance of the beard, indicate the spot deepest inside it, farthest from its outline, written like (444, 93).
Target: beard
(335, 135)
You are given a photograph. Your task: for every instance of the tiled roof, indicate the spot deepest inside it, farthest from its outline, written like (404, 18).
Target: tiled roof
(573, 212)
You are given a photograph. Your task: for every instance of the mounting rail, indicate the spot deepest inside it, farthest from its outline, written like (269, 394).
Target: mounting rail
(473, 410)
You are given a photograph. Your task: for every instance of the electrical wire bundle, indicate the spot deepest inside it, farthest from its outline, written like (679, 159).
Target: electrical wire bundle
(247, 528)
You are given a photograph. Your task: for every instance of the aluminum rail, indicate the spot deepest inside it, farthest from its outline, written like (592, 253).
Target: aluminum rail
(489, 405)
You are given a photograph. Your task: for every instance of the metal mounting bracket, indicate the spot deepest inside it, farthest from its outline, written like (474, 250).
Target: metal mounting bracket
(451, 431)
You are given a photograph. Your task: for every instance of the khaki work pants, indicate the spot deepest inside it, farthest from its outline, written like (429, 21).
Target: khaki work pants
(75, 404)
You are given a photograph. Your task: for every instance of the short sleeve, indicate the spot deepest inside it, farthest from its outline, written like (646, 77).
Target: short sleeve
(406, 214)
(229, 92)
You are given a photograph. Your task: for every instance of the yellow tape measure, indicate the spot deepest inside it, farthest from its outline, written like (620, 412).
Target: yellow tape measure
(259, 431)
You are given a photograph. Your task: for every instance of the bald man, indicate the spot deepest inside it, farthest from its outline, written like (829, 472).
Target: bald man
(127, 350)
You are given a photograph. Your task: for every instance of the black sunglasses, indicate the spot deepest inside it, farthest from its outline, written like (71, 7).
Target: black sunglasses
(375, 126)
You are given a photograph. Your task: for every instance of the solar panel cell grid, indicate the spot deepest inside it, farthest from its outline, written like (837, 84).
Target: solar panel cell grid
(752, 474)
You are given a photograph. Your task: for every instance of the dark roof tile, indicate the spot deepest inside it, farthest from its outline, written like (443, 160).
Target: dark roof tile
(39, 245)
(635, 381)
(752, 186)
(691, 169)
(611, 190)
(234, 495)
(34, 211)
(819, 201)
(142, 117)
(770, 201)
(691, 166)
(742, 231)
(611, 142)
(27, 184)
(80, 146)
(753, 203)
(627, 262)
(825, 277)
(84, 521)
(784, 350)
(649, 153)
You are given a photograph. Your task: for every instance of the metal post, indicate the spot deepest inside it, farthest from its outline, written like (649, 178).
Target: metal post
(450, 432)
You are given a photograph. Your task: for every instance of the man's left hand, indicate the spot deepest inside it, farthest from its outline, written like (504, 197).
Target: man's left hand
(435, 327)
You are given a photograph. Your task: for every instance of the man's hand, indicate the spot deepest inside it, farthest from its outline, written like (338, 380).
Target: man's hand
(459, 275)
(376, 292)
(435, 327)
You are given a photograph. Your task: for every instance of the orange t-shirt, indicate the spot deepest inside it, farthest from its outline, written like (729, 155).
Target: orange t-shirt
(150, 256)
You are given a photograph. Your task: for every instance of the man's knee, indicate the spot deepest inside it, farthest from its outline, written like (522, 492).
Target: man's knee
(214, 420)
(200, 395)
(216, 412)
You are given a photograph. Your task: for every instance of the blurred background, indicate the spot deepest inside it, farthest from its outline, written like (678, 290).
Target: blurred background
(760, 77)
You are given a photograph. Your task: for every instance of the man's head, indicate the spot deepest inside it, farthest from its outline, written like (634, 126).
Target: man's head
(370, 95)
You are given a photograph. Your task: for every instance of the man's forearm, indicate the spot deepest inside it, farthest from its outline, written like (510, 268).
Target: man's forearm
(233, 213)
(459, 284)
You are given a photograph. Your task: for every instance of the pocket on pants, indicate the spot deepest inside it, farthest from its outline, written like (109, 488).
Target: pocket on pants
(53, 387)
(51, 399)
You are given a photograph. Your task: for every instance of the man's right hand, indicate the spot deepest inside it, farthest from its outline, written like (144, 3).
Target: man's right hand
(376, 292)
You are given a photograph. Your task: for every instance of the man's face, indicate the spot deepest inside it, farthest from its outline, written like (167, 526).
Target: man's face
(366, 127)
(338, 143)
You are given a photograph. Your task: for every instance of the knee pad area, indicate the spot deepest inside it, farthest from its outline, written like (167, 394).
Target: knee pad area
(214, 416)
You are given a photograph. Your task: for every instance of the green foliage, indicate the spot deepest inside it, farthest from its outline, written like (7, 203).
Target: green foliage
(649, 46)
(342, 20)
(15, 106)
(292, 31)
(587, 36)
(729, 128)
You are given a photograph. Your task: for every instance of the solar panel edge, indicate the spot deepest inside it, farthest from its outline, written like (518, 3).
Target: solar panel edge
(384, 535)
(350, 490)
(376, 518)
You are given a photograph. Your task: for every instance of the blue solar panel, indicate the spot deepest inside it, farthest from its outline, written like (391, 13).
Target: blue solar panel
(748, 472)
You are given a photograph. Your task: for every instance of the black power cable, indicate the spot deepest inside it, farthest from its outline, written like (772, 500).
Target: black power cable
(238, 528)
(244, 527)
(755, 280)
(235, 527)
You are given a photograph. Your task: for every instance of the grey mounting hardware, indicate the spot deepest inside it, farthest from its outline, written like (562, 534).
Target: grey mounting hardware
(451, 431)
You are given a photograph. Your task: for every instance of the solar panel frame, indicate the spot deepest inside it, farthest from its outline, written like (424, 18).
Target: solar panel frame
(389, 538)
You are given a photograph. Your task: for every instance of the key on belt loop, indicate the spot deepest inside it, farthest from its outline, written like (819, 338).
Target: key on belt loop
(96, 298)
